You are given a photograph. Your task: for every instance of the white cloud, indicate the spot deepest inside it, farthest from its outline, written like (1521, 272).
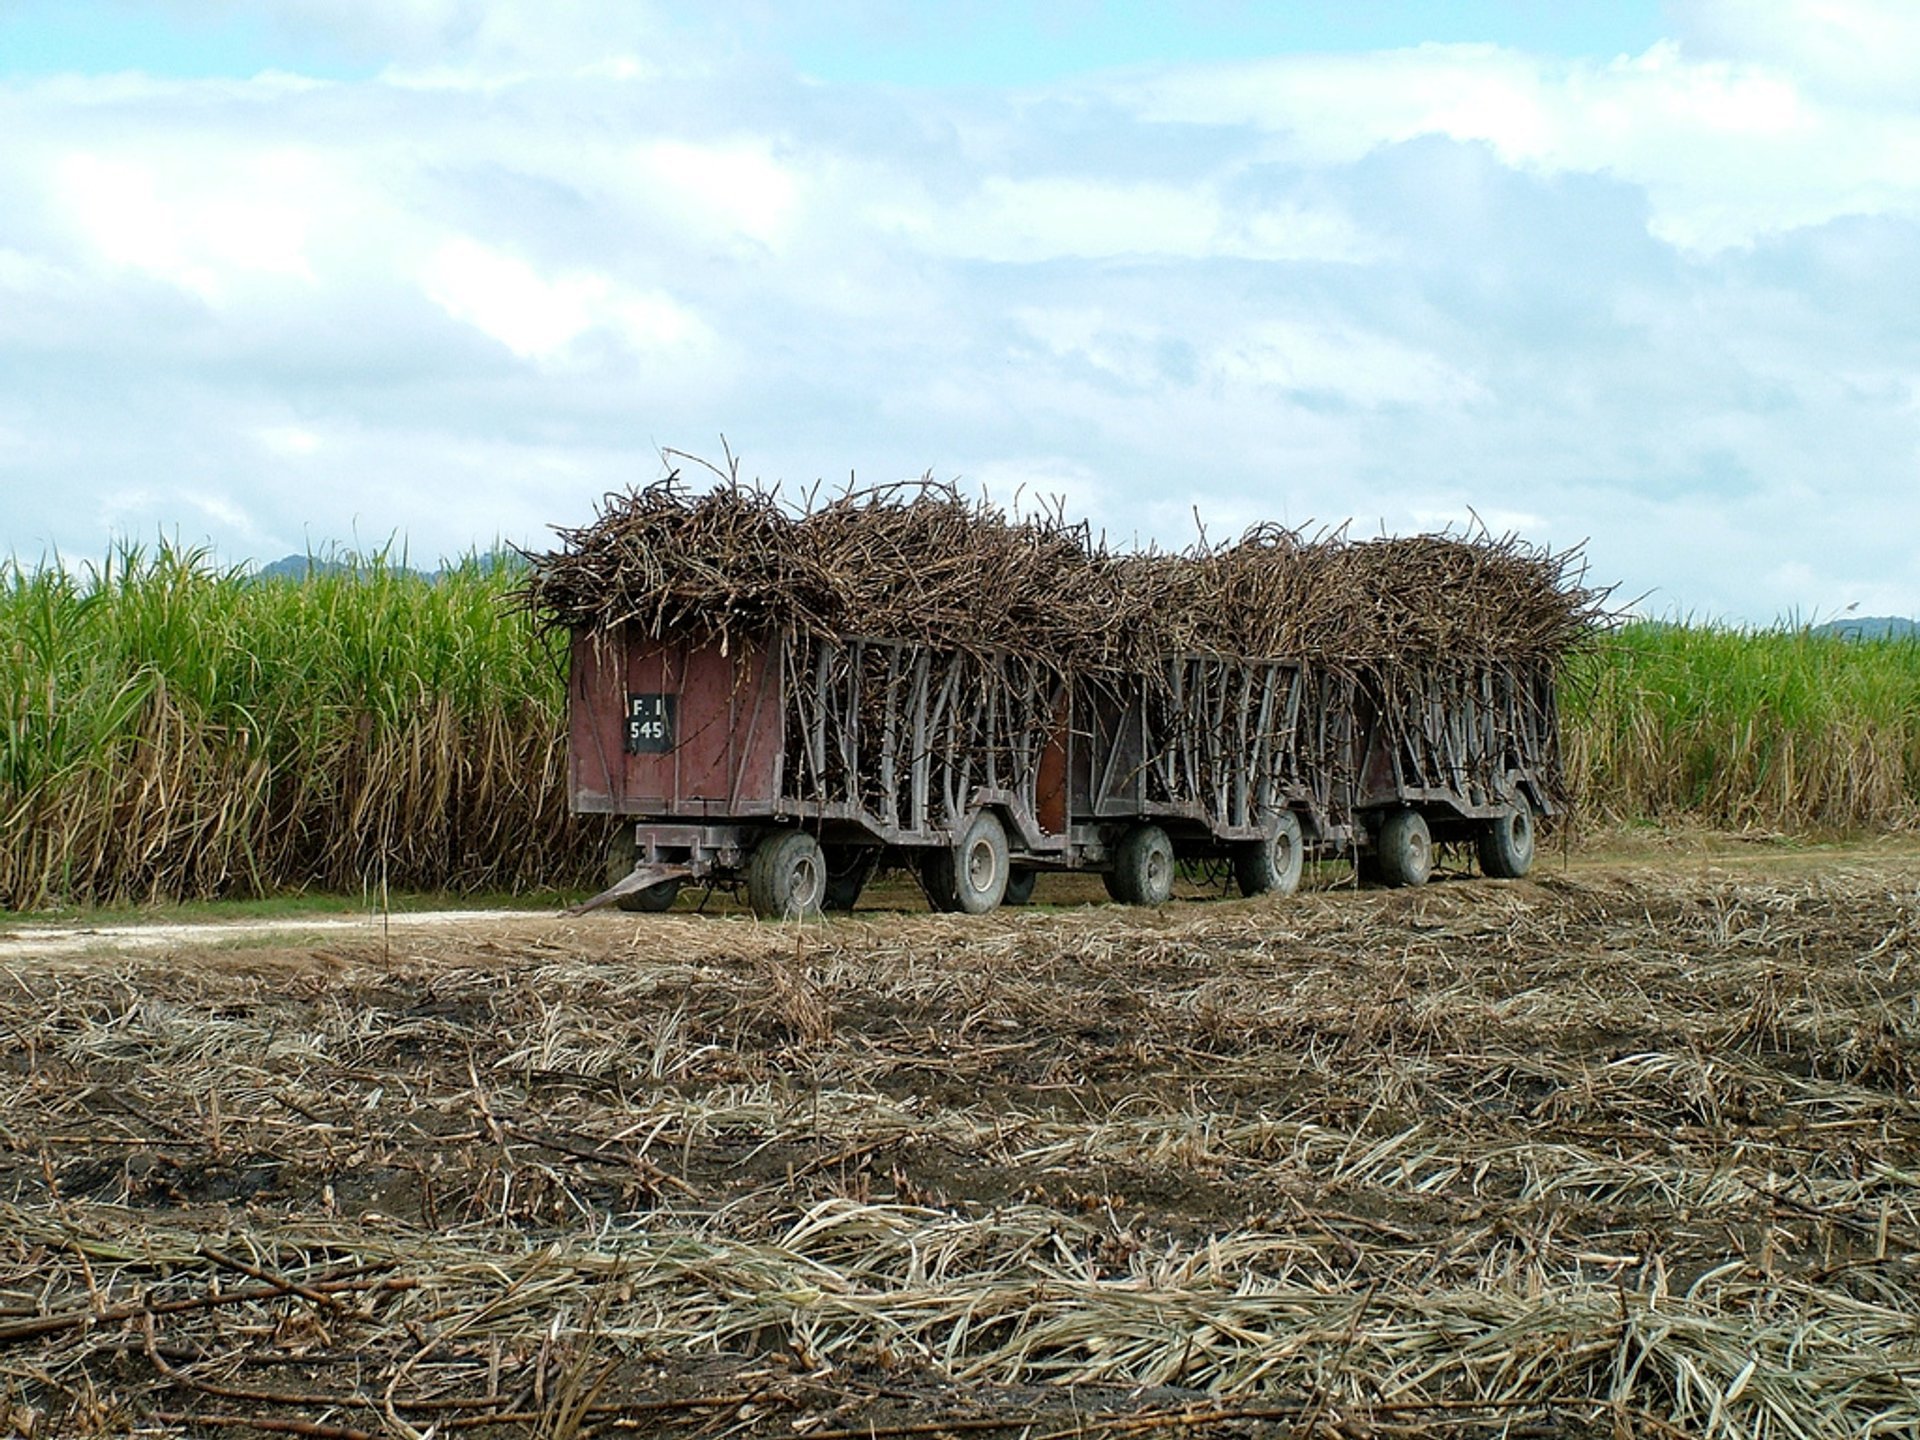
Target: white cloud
(1728, 149)
(1200, 514)
(538, 316)
(1463, 517)
(1338, 108)
(288, 441)
(199, 222)
(1027, 220)
(125, 510)
(1040, 485)
(464, 34)
(1114, 344)
(1865, 49)
(222, 512)
(734, 189)
(29, 273)
(1298, 232)
(1295, 357)
(1305, 358)
(510, 300)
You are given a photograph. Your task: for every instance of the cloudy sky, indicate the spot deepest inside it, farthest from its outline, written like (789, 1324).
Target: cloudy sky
(285, 272)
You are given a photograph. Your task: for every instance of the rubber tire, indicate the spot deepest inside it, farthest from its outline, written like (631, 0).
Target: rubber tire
(1020, 887)
(652, 900)
(936, 878)
(1404, 849)
(1506, 845)
(972, 877)
(787, 876)
(1272, 866)
(849, 867)
(1143, 867)
(622, 855)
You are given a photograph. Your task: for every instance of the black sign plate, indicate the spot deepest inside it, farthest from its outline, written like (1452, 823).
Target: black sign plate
(650, 724)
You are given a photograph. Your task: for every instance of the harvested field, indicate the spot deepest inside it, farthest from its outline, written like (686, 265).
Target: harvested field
(1622, 1151)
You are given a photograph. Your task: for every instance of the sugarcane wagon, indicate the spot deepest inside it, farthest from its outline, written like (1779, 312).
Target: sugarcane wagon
(1463, 753)
(789, 700)
(798, 765)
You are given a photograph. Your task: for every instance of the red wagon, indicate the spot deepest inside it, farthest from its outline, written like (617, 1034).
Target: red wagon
(799, 764)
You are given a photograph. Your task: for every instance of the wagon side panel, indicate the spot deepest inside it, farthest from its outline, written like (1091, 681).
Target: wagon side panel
(1212, 747)
(1459, 735)
(674, 728)
(596, 776)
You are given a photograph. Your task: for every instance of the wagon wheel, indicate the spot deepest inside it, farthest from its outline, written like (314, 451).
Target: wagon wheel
(1506, 844)
(972, 877)
(1405, 849)
(652, 900)
(1020, 887)
(787, 876)
(622, 855)
(1142, 867)
(1272, 866)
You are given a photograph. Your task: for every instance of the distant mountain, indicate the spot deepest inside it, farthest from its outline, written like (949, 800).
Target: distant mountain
(300, 567)
(1871, 627)
(337, 562)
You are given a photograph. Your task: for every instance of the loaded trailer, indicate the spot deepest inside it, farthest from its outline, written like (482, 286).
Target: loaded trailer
(799, 764)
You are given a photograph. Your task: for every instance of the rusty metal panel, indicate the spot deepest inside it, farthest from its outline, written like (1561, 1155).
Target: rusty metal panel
(1380, 781)
(673, 728)
(1050, 778)
(594, 700)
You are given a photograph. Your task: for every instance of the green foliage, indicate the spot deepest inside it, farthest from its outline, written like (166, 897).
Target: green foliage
(172, 729)
(1785, 729)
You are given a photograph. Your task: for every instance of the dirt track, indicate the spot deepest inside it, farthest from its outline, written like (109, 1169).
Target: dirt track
(1628, 1147)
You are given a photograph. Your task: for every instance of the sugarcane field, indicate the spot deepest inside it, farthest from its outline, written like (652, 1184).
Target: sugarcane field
(880, 964)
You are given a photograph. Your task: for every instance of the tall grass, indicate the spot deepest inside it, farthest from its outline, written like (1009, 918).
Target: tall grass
(174, 729)
(1781, 729)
